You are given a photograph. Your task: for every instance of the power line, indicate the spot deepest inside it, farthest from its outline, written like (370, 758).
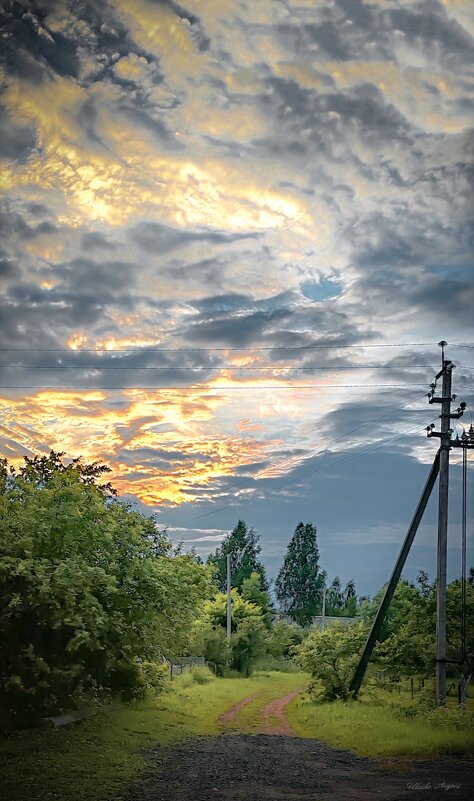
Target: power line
(247, 387)
(300, 478)
(208, 367)
(240, 350)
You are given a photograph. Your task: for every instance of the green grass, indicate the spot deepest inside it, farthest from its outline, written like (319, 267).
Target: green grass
(96, 760)
(377, 726)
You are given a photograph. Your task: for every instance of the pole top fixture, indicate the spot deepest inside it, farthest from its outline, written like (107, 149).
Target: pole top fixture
(442, 345)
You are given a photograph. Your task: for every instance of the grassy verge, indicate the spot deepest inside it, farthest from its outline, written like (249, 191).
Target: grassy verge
(377, 727)
(97, 759)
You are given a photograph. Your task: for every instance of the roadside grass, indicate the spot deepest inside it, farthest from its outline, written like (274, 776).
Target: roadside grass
(96, 760)
(376, 726)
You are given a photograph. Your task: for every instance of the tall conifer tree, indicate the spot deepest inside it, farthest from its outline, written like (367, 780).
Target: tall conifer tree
(299, 583)
(242, 543)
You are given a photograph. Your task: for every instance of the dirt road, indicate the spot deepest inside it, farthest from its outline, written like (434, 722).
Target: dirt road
(279, 766)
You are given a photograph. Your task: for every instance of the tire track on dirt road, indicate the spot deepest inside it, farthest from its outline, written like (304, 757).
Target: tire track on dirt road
(272, 716)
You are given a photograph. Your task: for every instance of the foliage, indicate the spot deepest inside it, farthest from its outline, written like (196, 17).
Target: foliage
(248, 633)
(248, 644)
(408, 642)
(88, 591)
(216, 610)
(242, 543)
(283, 638)
(331, 655)
(299, 583)
(210, 642)
(254, 591)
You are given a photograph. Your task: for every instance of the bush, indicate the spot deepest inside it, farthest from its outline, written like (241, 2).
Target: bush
(88, 591)
(331, 657)
(247, 645)
(202, 675)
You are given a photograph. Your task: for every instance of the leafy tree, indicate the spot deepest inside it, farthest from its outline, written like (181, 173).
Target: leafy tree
(88, 590)
(215, 611)
(409, 644)
(335, 598)
(350, 600)
(283, 638)
(248, 644)
(299, 582)
(253, 591)
(331, 656)
(210, 642)
(242, 543)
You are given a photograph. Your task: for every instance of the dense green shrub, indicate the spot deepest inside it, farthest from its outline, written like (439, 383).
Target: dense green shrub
(331, 656)
(89, 592)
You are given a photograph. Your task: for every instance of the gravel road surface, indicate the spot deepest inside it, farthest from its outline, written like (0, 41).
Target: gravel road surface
(276, 765)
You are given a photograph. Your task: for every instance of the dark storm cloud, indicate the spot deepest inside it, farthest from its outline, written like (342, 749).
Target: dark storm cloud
(30, 46)
(94, 240)
(351, 30)
(13, 226)
(16, 141)
(159, 238)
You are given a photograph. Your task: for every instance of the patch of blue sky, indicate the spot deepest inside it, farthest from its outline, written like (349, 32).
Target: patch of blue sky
(324, 290)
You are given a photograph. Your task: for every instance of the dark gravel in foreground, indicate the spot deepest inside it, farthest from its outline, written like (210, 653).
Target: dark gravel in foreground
(278, 768)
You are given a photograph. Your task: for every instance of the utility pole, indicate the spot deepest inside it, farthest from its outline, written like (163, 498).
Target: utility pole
(229, 599)
(445, 446)
(441, 466)
(323, 616)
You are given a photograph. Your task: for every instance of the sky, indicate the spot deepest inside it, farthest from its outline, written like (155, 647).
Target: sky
(233, 234)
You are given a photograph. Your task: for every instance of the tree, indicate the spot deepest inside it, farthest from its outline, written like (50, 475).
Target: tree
(299, 582)
(409, 644)
(335, 598)
(88, 590)
(283, 638)
(242, 544)
(248, 639)
(253, 591)
(331, 656)
(350, 600)
(248, 644)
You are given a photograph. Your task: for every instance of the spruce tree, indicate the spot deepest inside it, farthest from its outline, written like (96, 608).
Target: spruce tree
(299, 583)
(242, 543)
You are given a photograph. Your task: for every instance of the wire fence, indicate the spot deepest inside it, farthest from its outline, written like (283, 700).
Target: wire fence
(183, 664)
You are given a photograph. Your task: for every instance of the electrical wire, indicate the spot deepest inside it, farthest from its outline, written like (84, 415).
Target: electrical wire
(240, 350)
(198, 388)
(234, 367)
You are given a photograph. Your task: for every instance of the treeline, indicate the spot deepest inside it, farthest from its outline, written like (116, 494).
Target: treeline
(300, 583)
(93, 597)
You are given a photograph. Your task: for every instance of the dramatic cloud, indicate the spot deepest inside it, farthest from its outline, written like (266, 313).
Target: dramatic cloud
(218, 218)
